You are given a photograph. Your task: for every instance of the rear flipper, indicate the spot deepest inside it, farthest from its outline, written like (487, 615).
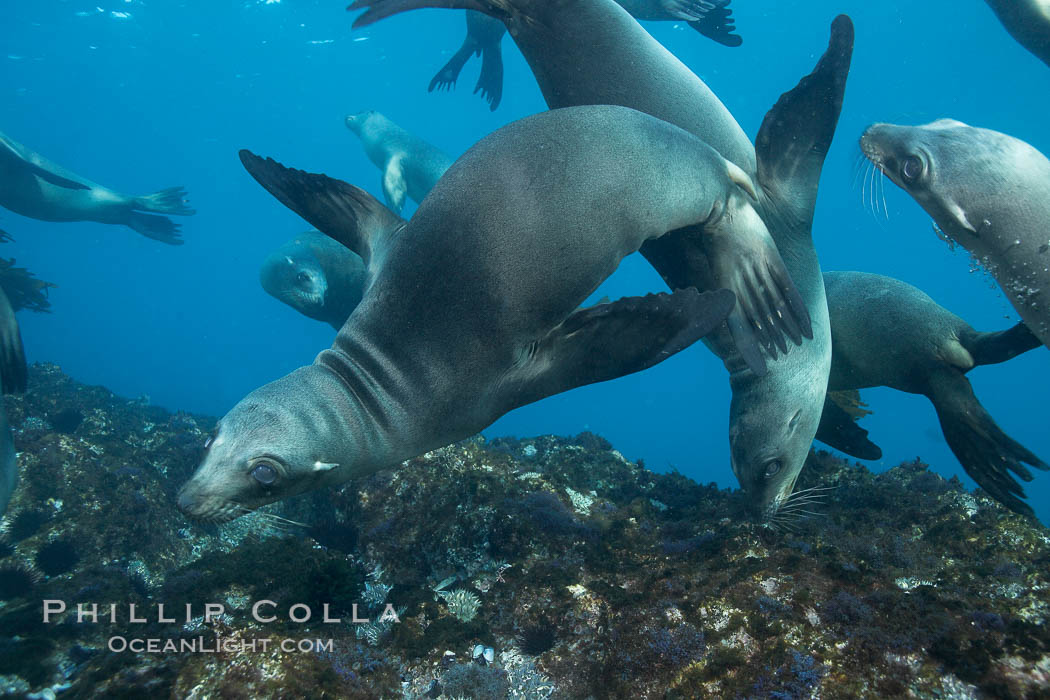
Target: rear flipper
(839, 429)
(169, 201)
(993, 348)
(159, 228)
(13, 370)
(718, 25)
(986, 453)
(381, 9)
(490, 81)
(446, 77)
(607, 341)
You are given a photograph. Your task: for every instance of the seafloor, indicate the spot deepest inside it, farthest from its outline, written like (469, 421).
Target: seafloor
(588, 576)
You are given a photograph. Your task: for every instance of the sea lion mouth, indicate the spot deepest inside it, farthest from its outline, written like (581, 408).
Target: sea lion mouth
(209, 510)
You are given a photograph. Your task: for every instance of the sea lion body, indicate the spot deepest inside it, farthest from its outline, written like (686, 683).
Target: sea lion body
(410, 165)
(888, 333)
(316, 276)
(594, 52)
(472, 306)
(1028, 21)
(33, 186)
(988, 192)
(12, 380)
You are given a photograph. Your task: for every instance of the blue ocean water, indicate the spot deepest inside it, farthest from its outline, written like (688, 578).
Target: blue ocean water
(144, 95)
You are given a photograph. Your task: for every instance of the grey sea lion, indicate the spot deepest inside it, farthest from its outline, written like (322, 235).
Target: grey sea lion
(1028, 21)
(316, 276)
(471, 308)
(35, 187)
(13, 374)
(988, 192)
(773, 416)
(410, 165)
(712, 18)
(888, 333)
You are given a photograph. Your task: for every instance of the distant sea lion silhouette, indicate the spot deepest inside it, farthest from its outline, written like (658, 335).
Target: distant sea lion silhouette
(773, 416)
(888, 333)
(35, 187)
(315, 275)
(13, 374)
(410, 165)
(472, 306)
(712, 18)
(988, 192)
(1028, 21)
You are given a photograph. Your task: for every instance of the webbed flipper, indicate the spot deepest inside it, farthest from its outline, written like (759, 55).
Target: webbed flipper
(490, 80)
(993, 348)
(395, 189)
(606, 341)
(341, 211)
(839, 429)
(717, 23)
(446, 78)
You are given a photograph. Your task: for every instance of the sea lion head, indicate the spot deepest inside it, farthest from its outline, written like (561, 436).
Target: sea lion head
(298, 280)
(280, 440)
(357, 122)
(945, 166)
(771, 429)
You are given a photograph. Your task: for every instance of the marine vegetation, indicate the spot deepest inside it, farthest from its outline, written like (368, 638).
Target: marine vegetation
(594, 576)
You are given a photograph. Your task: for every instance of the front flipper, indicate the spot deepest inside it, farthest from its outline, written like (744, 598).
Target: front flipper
(395, 189)
(744, 259)
(717, 24)
(607, 341)
(341, 211)
(840, 430)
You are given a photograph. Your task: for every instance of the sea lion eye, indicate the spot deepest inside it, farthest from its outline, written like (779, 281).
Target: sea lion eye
(264, 472)
(911, 168)
(773, 468)
(302, 277)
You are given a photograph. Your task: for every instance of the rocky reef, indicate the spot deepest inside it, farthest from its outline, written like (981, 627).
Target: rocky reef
(547, 567)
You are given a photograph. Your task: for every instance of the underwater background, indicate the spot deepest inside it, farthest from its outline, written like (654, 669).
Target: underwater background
(145, 95)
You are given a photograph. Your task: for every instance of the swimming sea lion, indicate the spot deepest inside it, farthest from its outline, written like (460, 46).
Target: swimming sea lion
(409, 164)
(12, 380)
(316, 276)
(712, 18)
(471, 308)
(1028, 21)
(773, 418)
(35, 187)
(888, 333)
(988, 192)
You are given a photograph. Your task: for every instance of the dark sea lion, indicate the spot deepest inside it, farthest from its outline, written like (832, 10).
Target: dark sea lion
(773, 418)
(317, 276)
(471, 308)
(13, 374)
(1028, 21)
(888, 333)
(410, 165)
(35, 187)
(986, 191)
(712, 18)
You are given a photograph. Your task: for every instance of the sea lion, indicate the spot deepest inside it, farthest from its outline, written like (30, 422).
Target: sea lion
(986, 191)
(712, 18)
(316, 276)
(888, 333)
(35, 187)
(773, 418)
(471, 308)
(1028, 21)
(13, 374)
(410, 165)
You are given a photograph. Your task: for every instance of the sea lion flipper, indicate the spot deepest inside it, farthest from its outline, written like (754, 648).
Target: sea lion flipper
(986, 453)
(11, 154)
(339, 210)
(381, 9)
(717, 24)
(395, 189)
(13, 371)
(605, 341)
(490, 80)
(993, 348)
(796, 134)
(840, 430)
(446, 78)
(159, 228)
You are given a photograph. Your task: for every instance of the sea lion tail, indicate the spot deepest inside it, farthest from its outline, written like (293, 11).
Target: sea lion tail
(986, 453)
(159, 228)
(170, 201)
(13, 371)
(606, 341)
(490, 81)
(381, 9)
(717, 23)
(993, 348)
